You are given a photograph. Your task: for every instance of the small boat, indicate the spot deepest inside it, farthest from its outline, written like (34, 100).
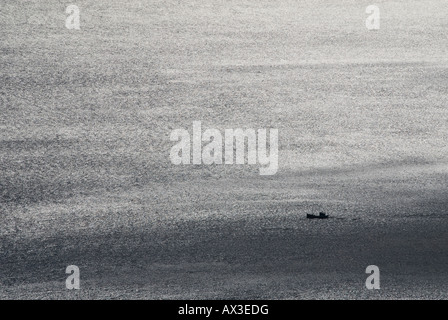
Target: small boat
(322, 215)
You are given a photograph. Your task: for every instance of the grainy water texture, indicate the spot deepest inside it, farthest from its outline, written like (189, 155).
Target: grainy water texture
(86, 178)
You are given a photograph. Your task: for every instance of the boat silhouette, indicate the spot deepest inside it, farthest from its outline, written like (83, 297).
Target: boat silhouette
(322, 215)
